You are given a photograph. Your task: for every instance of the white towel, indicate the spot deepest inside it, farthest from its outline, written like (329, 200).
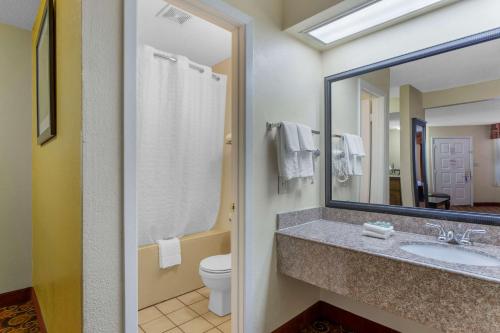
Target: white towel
(305, 138)
(377, 229)
(353, 147)
(377, 235)
(291, 136)
(169, 252)
(288, 162)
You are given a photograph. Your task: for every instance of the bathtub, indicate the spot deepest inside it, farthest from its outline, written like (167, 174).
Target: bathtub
(157, 285)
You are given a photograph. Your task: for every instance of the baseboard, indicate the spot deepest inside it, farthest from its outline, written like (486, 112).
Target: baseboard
(15, 297)
(21, 296)
(325, 311)
(491, 204)
(41, 323)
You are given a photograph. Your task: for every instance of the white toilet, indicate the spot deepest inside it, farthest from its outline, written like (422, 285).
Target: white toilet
(215, 273)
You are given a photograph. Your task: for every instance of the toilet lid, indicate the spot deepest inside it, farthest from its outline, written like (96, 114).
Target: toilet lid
(216, 264)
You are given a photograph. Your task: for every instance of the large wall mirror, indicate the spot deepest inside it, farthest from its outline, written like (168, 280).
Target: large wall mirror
(415, 135)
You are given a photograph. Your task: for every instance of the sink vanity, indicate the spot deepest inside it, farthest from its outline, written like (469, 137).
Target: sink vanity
(453, 288)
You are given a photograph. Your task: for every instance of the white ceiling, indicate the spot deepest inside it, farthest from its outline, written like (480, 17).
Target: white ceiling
(461, 67)
(478, 113)
(19, 13)
(197, 39)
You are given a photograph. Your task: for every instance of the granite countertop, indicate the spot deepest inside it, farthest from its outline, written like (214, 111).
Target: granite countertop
(348, 236)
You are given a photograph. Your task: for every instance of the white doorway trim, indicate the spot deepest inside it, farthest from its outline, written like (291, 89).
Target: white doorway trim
(471, 162)
(382, 98)
(226, 16)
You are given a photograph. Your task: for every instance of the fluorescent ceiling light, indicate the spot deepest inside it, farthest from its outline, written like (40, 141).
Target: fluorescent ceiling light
(368, 17)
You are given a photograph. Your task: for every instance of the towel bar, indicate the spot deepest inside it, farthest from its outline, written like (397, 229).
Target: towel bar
(270, 126)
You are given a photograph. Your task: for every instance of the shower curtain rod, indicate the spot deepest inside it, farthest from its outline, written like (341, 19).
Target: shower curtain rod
(173, 59)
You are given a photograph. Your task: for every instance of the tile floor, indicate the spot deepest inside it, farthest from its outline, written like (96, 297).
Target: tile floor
(187, 313)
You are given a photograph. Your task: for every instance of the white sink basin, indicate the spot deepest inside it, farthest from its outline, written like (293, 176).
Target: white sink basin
(451, 254)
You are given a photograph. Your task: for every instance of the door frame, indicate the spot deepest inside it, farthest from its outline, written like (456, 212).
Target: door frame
(228, 17)
(471, 162)
(380, 95)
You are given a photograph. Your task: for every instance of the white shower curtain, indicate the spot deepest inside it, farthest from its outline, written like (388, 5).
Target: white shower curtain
(179, 147)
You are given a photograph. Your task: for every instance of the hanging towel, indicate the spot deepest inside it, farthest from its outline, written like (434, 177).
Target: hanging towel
(306, 160)
(169, 252)
(288, 162)
(305, 138)
(291, 136)
(353, 147)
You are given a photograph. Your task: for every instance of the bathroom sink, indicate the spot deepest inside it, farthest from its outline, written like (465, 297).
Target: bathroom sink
(450, 253)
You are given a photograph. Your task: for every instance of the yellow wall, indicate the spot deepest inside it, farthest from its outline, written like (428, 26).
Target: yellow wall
(57, 227)
(227, 196)
(410, 107)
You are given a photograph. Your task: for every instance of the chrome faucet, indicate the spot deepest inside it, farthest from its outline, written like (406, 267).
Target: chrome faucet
(452, 237)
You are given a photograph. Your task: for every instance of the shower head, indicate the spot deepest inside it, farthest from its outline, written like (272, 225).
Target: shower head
(173, 14)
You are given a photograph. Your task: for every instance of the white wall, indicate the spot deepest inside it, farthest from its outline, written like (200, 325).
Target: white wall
(103, 299)
(15, 164)
(457, 20)
(288, 86)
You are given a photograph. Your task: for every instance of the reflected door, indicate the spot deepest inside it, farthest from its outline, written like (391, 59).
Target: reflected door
(452, 173)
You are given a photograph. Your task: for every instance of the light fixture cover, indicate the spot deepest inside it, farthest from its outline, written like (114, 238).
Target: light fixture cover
(366, 18)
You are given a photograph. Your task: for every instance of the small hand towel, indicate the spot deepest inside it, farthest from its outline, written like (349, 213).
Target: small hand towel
(169, 252)
(291, 136)
(306, 164)
(305, 138)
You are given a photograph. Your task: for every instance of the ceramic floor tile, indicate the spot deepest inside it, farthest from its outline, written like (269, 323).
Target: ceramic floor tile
(190, 298)
(182, 315)
(204, 291)
(158, 325)
(214, 330)
(197, 325)
(200, 307)
(226, 327)
(148, 314)
(215, 319)
(170, 306)
(174, 330)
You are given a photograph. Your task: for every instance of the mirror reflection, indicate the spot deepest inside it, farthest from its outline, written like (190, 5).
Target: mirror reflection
(421, 134)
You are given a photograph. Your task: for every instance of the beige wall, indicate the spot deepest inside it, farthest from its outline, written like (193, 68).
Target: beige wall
(287, 86)
(465, 94)
(394, 148)
(227, 196)
(15, 152)
(410, 107)
(295, 11)
(484, 164)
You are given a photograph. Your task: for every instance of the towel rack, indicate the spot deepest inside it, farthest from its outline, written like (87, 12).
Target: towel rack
(270, 126)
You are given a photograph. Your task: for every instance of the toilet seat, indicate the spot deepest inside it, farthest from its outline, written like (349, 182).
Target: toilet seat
(216, 264)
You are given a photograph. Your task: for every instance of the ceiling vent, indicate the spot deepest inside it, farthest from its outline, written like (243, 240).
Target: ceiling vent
(173, 14)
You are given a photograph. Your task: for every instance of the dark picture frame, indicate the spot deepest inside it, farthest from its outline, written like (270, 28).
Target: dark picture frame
(468, 217)
(415, 124)
(46, 76)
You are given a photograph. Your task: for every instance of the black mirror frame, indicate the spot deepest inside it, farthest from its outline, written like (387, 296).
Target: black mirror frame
(468, 217)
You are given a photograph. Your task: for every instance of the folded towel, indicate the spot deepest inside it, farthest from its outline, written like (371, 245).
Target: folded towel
(288, 162)
(380, 227)
(376, 234)
(291, 136)
(355, 143)
(305, 138)
(169, 252)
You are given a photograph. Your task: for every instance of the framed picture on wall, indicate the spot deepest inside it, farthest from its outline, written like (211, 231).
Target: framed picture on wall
(45, 77)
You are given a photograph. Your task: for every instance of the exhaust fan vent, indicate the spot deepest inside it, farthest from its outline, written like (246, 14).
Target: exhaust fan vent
(173, 14)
